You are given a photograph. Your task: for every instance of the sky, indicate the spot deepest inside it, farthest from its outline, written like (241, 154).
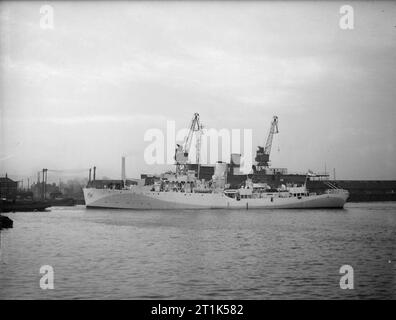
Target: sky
(85, 92)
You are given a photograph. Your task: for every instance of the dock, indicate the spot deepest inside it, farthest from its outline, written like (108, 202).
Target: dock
(23, 205)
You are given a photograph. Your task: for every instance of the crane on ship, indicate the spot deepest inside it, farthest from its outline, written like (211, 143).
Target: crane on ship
(182, 151)
(263, 153)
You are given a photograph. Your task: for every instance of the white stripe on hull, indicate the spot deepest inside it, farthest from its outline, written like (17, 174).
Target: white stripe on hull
(143, 199)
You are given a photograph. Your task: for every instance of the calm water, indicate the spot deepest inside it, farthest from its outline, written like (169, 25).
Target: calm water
(208, 254)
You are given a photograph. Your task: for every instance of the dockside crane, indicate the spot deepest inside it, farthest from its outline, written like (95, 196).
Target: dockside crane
(182, 151)
(263, 153)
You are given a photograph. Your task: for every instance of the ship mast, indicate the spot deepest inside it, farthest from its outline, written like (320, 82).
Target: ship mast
(198, 147)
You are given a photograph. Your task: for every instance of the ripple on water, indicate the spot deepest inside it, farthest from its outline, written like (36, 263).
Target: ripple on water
(116, 254)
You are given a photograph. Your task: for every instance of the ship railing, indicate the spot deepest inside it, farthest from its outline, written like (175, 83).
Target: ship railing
(331, 185)
(336, 191)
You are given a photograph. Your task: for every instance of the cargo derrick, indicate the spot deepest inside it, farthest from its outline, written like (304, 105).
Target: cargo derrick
(263, 153)
(182, 151)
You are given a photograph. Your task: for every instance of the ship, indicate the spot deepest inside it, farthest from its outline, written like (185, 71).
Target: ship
(185, 188)
(146, 197)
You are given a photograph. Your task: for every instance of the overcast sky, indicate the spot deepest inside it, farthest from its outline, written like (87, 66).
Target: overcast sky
(86, 91)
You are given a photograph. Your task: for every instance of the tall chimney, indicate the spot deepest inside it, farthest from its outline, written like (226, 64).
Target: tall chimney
(94, 174)
(43, 186)
(89, 177)
(123, 178)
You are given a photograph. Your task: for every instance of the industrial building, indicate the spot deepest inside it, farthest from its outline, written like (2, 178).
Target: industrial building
(8, 188)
